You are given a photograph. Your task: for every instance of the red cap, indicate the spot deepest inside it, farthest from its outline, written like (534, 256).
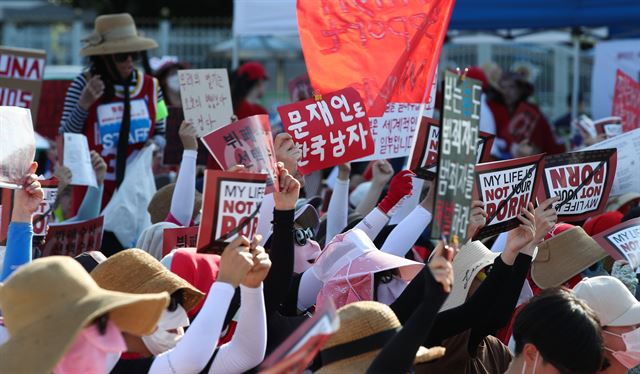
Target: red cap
(199, 269)
(475, 72)
(253, 70)
(557, 229)
(602, 222)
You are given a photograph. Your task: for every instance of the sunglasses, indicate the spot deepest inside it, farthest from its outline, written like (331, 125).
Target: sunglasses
(177, 299)
(122, 57)
(101, 323)
(302, 235)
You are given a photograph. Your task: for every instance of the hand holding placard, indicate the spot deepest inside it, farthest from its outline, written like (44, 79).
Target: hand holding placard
(78, 159)
(289, 192)
(261, 264)
(28, 198)
(235, 262)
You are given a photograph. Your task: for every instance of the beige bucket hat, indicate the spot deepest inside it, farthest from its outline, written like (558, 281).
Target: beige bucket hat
(115, 33)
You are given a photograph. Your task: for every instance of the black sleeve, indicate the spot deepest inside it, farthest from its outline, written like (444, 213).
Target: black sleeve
(278, 281)
(399, 353)
(474, 311)
(407, 302)
(502, 309)
(133, 366)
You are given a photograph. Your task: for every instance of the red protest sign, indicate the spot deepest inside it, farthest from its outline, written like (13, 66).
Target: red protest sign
(324, 129)
(583, 180)
(523, 122)
(622, 242)
(626, 101)
(609, 126)
(230, 206)
(296, 353)
(179, 237)
(387, 51)
(41, 216)
(72, 239)
(245, 142)
(506, 187)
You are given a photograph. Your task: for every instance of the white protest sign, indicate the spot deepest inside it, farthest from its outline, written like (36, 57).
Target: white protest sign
(622, 242)
(627, 177)
(17, 145)
(238, 200)
(77, 158)
(206, 98)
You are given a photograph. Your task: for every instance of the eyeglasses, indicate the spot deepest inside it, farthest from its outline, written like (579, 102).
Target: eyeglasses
(122, 57)
(101, 323)
(176, 299)
(302, 235)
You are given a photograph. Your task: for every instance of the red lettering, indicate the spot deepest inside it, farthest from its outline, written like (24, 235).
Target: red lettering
(574, 176)
(599, 176)
(228, 224)
(19, 67)
(227, 206)
(558, 178)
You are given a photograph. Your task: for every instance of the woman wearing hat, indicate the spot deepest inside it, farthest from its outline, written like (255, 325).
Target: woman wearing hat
(60, 321)
(248, 84)
(117, 107)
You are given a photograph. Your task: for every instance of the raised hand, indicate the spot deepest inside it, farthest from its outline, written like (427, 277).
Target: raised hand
(521, 237)
(99, 166)
(63, 174)
(188, 136)
(28, 198)
(382, 172)
(235, 262)
(289, 192)
(344, 171)
(546, 218)
(441, 267)
(401, 185)
(261, 264)
(287, 152)
(477, 217)
(91, 92)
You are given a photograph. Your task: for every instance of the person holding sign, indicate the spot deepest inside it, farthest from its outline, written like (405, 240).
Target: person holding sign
(117, 107)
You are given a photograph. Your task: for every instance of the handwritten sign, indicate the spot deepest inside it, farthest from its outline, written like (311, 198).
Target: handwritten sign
(179, 237)
(622, 242)
(626, 101)
(173, 149)
(329, 131)
(17, 145)
(387, 51)
(41, 216)
(457, 157)
(506, 187)
(230, 207)
(583, 181)
(72, 239)
(21, 74)
(245, 142)
(206, 98)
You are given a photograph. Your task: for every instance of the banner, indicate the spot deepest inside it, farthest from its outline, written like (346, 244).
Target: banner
(326, 128)
(457, 157)
(622, 242)
(583, 181)
(296, 353)
(21, 74)
(179, 237)
(626, 101)
(41, 216)
(627, 178)
(523, 122)
(506, 187)
(173, 149)
(17, 145)
(230, 206)
(245, 142)
(387, 51)
(206, 98)
(72, 239)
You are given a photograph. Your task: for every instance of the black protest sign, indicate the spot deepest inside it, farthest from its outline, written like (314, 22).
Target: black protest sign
(485, 142)
(506, 187)
(457, 157)
(173, 149)
(622, 242)
(583, 181)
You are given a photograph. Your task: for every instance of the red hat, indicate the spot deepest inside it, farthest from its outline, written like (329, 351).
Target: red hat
(557, 229)
(475, 72)
(602, 222)
(199, 269)
(253, 70)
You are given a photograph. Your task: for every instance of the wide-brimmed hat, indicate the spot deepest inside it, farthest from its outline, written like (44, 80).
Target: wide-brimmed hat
(610, 299)
(136, 271)
(46, 303)
(160, 204)
(563, 256)
(365, 320)
(115, 33)
(472, 258)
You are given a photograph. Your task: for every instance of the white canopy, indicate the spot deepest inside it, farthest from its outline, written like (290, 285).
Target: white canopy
(264, 17)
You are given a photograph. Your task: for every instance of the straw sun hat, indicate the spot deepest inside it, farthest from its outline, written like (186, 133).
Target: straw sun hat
(136, 271)
(48, 302)
(115, 33)
(160, 204)
(364, 324)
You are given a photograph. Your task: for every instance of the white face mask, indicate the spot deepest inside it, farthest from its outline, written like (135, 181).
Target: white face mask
(173, 83)
(389, 292)
(535, 365)
(162, 340)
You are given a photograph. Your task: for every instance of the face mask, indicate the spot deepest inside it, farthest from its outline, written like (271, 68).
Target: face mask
(389, 292)
(162, 340)
(173, 83)
(91, 350)
(535, 365)
(629, 358)
(305, 255)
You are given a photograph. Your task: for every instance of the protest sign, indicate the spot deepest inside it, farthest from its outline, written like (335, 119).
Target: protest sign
(17, 145)
(583, 181)
(456, 157)
(230, 206)
(300, 88)
(245, 142)
(485, 143)
(627, 177)
(179, 237)
(325, 129)
(622, 242)
(506, 187)
(41, 216)
(296, 353)
(21, 74)
(609, 126)
(72, 239)
(173, 149)
(387, 51)
(626, 101)
(523, 122)
(77, 158)
(206, 98)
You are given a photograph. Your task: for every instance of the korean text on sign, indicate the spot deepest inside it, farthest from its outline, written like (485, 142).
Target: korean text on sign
(206, 98)
(330, 131)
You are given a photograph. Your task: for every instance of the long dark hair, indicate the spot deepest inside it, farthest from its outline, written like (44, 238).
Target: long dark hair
(241, 85)
(106, 69)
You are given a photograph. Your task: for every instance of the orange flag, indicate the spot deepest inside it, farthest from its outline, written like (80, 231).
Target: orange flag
(386, 49)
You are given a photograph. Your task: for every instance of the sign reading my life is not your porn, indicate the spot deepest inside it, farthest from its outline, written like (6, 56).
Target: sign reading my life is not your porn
(231, 202)
(583, 181)
(622, 242)
(506, 188)
(457, 157)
